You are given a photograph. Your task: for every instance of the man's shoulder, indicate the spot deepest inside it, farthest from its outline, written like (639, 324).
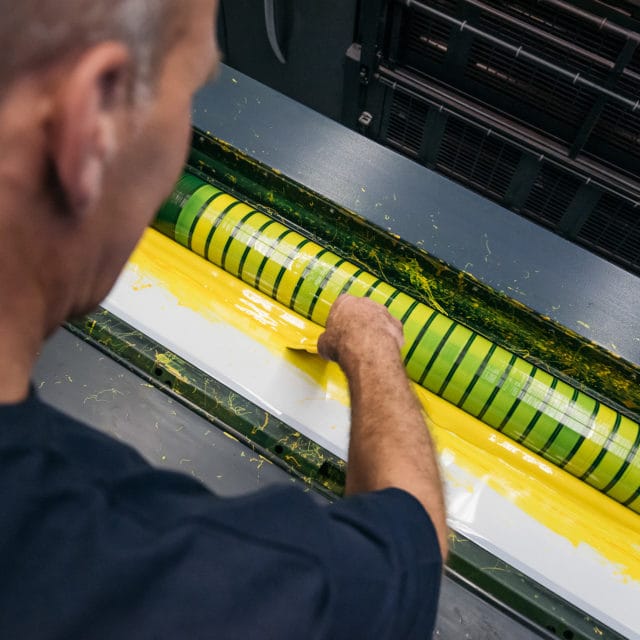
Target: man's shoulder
(33, 430)
(116, 522)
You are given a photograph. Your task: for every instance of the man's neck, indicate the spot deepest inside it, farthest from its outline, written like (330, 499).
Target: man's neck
(24, 314)
(21, 337)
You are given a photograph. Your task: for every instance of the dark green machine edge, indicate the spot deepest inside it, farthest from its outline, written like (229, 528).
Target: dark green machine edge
(483, 573)
(537, 339)
(512, 325)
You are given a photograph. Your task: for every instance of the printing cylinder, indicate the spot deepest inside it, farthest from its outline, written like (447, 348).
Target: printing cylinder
(545, 414)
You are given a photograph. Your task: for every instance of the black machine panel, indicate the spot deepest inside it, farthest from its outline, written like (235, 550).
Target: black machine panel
(533, 103)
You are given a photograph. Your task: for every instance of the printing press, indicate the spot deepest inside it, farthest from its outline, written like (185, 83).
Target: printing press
(521, 332)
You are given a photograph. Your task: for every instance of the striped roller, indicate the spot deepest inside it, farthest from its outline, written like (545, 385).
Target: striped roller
(567, 427)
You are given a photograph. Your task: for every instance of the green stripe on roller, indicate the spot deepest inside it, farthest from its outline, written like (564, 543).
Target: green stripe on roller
(255, 236)
(363, 285)
(568, 438)
(446, 357)
(469, 365)
(192, 212)
(518, 400)
(238, 246)
(331, 291)
(555, 405)
(635, 505)
(428, 345)
(371, 290)
(216, 225)
(408, 312)
(633, 452)
(632, 498)
(456, 364)
(282, 250)
(539, 411)
(292, 276)
(477, 375)
(225, 226)
(232, 236)
(170, 211)
(610, 439)
(389, 301)
(498, 387)
(399, 305)
(381, 292)
(312, 289)
(414, 345)
(307, 270)
(436, 351)
(581, 437)
(625, 490)
(348, 284)
(287, 265)
(268, 254)
(323, 283)
(530, 399)
(550, 443)
(414, 323)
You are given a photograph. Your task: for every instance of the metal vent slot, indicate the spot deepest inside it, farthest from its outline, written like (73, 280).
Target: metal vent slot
(533, 86)
(426, 41)
(551, 194)
(407, 119)
(619, 125)
(565, 56)
(634, 65)
(476, 159)
(563, 25)
(614, 229)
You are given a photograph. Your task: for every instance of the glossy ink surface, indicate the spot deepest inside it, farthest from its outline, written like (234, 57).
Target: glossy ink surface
(567, 427)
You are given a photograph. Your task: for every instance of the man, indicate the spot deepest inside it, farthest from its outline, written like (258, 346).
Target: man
(95, 543)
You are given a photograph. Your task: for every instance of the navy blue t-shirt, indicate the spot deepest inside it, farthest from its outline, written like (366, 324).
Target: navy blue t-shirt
(96, 543)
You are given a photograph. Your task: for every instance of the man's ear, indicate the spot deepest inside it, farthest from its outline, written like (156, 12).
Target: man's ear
(84, 123)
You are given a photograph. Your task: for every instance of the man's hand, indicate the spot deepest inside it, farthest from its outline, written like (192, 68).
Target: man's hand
(390, 444)
(359, 327)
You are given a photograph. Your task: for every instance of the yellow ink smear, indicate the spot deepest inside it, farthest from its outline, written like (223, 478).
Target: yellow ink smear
(559, 501)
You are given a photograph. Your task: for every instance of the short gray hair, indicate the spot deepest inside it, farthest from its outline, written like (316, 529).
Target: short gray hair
(37, 33)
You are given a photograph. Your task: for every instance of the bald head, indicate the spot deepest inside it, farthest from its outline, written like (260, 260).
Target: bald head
(39, 33)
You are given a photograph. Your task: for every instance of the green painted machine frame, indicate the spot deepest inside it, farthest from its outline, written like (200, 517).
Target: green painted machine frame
(550, 417)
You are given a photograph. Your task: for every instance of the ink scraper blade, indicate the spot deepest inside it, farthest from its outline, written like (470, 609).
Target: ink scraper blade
(310, 345)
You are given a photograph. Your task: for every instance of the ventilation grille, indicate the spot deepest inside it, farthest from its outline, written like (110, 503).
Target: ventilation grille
(525, 103)
(619, 127)
(550, 196)
(479, 161)
(614, 229)
(530, 85)
(634, 65)
(565, 26)
(525, 90)
(406, 123)
(427, 41)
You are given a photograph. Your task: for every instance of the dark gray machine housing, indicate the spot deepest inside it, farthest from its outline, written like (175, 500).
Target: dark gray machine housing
(535, 104)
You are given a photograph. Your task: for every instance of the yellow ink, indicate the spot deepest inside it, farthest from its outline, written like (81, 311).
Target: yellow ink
(562, 503)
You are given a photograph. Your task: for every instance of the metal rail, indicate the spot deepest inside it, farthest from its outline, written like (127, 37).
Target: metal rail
(559, 42)
(603, 24)
(520, 53)
(401, 82)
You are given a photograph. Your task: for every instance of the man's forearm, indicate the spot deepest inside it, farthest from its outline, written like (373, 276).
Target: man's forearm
(390, 443)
